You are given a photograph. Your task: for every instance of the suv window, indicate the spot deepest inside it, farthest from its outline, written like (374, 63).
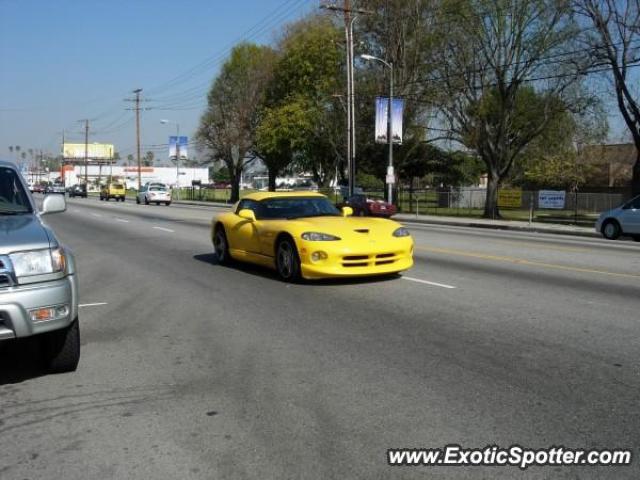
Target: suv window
(13, 198)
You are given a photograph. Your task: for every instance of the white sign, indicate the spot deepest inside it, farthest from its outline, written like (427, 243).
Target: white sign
(551, 199)
(391, 179)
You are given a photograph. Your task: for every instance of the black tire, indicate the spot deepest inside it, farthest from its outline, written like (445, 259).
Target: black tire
(138, 200)
(106, 199)
(636, 238)
(611, 229)
(167, 203)
(158, 204)
(288, 261)
(221, 246)
(146, 200)
(61, 349)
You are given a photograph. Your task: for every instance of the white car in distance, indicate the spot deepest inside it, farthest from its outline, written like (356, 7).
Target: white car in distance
(154, 193)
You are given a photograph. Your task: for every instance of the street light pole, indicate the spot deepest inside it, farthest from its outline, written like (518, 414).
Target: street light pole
(177, 161)
(390, 173)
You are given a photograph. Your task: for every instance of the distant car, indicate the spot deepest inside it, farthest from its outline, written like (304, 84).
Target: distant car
(79, 190)
(621, 221)
(38, 188)
(369, 207)
(55, 188)
(113, 190)
(154, 193)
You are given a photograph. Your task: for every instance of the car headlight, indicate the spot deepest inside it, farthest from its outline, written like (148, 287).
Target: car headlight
(38, 262)
(401, 232)
(319, 237)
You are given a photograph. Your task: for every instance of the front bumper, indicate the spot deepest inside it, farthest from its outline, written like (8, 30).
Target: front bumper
(345, 261)
(15, 302)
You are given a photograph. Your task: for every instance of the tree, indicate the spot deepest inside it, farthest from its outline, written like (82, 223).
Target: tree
(148, 159)
(614, 41)
(129, 159)
(282, 134)
(299, 124)
(504, 73)
(228, 126)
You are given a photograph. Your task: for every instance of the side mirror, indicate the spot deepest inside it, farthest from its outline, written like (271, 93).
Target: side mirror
(53, 204)
(347, 211)
(247, 214)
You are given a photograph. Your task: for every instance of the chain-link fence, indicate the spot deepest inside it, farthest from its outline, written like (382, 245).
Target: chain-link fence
(542, 206)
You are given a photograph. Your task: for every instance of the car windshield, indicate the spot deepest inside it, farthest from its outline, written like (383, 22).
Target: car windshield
(116, 185)
(13, 198)
(295, 207)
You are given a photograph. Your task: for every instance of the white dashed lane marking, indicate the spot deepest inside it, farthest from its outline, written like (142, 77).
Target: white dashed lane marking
(426, 282)
(98, 304)
(164, 229)
(122, 220)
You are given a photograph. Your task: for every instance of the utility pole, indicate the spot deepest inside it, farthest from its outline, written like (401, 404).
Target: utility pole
(137, 92)
(349, 19)
(137, 109)
(64, 173)
(86, 153)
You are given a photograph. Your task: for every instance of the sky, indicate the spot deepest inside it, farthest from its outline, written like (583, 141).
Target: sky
(64, 61)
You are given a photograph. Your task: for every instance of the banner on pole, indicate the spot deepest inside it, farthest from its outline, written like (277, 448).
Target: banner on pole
(183, 147)
(397, 109)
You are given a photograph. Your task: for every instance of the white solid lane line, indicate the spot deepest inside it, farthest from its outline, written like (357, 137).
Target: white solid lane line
(434, 284)
(96, 214)
(122, 220)
(92, 304)
(164, 229)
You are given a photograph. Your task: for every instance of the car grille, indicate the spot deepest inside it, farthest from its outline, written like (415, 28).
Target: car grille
(353, 261)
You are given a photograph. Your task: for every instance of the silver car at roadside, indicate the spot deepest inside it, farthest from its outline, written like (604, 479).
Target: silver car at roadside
(38, 279)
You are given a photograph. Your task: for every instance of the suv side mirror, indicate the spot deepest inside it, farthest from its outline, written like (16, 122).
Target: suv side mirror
(247, 214)
(53, 204)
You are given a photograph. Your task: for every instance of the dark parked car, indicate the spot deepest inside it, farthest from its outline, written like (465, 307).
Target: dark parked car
(370, 207)
(79, 190)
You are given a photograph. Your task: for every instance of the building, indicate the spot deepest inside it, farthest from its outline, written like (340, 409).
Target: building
(74, 174)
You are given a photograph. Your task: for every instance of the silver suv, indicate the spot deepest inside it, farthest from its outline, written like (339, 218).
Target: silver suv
(38, 281)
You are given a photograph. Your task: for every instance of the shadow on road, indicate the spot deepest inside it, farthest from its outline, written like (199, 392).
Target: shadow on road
(20, 361)
(266, 273)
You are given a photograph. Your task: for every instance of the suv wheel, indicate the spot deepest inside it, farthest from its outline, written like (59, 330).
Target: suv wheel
(287, 261)
(611, 229)
(138, 200)
(146, 200)
(61, 349)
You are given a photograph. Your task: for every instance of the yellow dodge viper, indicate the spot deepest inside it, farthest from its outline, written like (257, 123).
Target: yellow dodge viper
(302, 234)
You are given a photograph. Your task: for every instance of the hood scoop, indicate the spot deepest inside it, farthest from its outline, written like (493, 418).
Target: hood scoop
(362, 230)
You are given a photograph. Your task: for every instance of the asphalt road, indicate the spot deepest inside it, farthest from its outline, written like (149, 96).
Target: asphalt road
(192, 370)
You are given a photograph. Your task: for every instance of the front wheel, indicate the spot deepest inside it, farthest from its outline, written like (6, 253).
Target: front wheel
(146, 201)
(288, 261)
(61, 349)
(611, 230)
(167, 203)
(138, 200)
(221, 246)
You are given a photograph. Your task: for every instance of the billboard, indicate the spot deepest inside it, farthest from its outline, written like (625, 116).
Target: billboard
(397, 108)
(182, 144)
(95, 151)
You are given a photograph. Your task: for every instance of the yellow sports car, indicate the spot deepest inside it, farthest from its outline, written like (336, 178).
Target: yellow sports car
(302, 234)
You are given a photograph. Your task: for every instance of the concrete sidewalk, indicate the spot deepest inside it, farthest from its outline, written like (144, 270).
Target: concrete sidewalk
(536, 227)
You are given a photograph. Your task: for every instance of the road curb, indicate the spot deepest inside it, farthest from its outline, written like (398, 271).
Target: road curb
(489, 226)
